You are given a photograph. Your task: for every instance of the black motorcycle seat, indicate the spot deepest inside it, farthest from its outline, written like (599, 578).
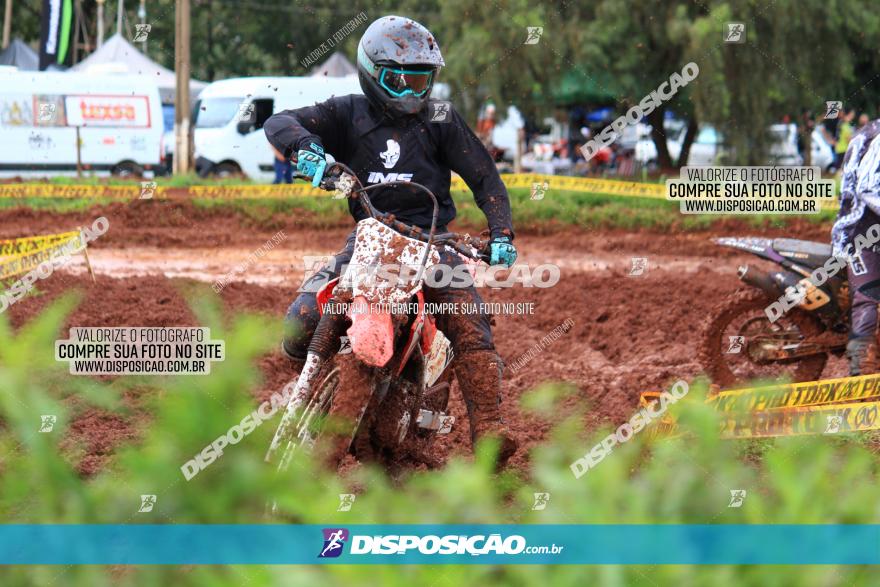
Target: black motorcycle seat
(808, 253)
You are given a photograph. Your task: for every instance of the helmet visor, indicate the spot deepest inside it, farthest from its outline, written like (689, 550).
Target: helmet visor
(400, 82)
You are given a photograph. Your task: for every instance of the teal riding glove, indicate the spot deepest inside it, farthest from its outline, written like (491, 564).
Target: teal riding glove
(502, 252)
(311, 162)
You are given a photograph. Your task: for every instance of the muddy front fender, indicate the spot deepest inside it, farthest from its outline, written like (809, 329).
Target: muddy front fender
(371, 333)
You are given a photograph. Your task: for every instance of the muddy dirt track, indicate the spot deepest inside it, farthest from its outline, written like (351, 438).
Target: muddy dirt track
(630, 333)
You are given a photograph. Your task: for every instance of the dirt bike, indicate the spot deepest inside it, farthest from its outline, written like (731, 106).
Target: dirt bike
(740, 343)
(374, 377)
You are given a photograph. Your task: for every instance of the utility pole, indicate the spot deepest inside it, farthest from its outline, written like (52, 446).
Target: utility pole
(142, 15)
(77, 23)
(182, 163)
(82, 43)
(119, 13)
(100, 24)
(7, 23)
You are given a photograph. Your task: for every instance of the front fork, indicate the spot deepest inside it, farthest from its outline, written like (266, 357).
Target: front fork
(324, 344)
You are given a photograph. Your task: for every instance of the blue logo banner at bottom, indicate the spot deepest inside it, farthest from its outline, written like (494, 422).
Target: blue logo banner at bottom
(438, 544)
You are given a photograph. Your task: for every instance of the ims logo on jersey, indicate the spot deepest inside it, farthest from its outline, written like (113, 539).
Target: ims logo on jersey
(379, 177)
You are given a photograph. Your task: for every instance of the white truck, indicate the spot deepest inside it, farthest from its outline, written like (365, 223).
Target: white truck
(229, 117)
(118, 119)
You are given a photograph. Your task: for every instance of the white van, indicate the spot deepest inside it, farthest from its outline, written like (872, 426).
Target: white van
(784, 148)
(119, 119)
(229, 117)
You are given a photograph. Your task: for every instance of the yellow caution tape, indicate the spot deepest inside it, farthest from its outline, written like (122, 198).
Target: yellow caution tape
(791, 395)
(813, 407)
(826, 419)
(238, 192)
(158, 192)
(578, 184)
(48, 190)
(300, 189)
(665, 426)
(649, 397)
(21, 246)
(26, 262)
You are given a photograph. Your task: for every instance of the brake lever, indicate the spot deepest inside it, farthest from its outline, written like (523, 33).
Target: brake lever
(480, 246)
(328, 182)
(302, 176)
(470, 249)
(344, 185)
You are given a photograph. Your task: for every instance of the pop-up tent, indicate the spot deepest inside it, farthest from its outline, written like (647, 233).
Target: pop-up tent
(117, 55)
(335, 66)
(18, 54)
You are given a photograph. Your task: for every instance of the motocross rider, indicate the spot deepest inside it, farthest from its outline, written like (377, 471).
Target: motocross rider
(859, 210)
(390, 133)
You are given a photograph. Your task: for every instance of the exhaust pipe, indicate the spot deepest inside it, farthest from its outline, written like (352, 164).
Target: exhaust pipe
(750, 276)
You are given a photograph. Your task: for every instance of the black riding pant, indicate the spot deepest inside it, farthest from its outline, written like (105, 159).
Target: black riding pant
(864, 268)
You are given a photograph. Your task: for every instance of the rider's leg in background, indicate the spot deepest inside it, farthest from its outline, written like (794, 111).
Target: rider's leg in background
(477, 366)
(279, 172)
(302, 316)
(862, 346)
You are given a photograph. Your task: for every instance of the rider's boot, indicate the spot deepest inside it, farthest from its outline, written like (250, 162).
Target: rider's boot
(862, 353)
(479, 378)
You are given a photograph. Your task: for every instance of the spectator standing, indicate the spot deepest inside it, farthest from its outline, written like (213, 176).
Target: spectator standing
(486, 124)
(808, 125)
(844, 134)
(283, 168)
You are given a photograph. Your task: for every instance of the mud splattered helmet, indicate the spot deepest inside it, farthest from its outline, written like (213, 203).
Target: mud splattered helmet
(398, 61)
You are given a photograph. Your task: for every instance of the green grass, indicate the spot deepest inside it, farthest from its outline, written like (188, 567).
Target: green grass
(687, 479)
(59, 205)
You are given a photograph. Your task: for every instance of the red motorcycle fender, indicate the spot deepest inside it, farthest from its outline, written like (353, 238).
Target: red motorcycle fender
(323, 296)
(371, 333)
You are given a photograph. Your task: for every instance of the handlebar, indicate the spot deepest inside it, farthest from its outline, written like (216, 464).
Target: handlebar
(469, 246)
(326, 183)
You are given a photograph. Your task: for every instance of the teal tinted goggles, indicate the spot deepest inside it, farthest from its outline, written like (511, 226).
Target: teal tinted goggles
(401, 82)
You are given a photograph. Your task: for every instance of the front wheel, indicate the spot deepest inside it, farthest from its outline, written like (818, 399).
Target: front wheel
(730, 362)
(333, 415)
